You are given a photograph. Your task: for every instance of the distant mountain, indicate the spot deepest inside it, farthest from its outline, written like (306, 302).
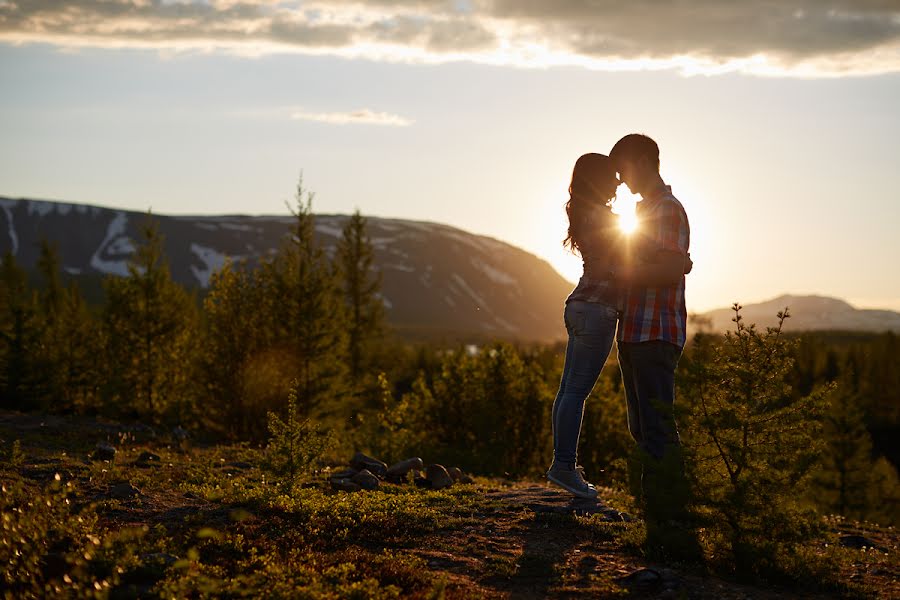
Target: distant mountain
(437, 280)
(808, 313)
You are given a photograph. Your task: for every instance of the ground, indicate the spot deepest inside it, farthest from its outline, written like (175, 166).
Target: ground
(211, 522)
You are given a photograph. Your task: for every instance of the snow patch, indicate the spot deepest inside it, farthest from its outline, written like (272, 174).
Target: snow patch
(494, 274)
(387, 303)
(114, 230)
(40, 208)
(207, 226)
(382, 241)
(212, 262)
(11, 226)
(397, 267)
(72, 270)
(239, 227)
(121, 245)
(329, 230)
(472, 293)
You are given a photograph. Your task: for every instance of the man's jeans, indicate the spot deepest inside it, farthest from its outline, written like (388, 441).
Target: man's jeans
(648, 375)
(591, 327)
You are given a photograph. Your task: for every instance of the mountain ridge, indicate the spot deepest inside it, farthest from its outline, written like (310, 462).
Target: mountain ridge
(436, 278)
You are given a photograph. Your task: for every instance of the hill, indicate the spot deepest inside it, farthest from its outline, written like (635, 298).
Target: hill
(437, 280)
(808, 313)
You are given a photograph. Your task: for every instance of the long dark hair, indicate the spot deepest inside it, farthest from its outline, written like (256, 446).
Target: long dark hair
(593, 186)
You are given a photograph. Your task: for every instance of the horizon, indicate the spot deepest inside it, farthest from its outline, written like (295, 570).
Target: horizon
(777, 129)
(789, 294)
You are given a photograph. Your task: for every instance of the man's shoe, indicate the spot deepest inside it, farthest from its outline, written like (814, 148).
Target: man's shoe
(571, 480)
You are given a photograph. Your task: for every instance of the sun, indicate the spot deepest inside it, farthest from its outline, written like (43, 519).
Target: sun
(623, 206)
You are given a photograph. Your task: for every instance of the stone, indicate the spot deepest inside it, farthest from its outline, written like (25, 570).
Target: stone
(643, 578)
(402, 468)
(438, 477)
(104, 451)
(366, 480)
(238, 464)
(360, 461)
(123, 491)
(344, 485)
(147, 460)
(421, 482)
(455, 473)
(347, 473)
(466, 479)
(858, 542)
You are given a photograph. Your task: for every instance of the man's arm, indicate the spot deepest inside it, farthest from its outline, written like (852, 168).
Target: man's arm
(667, 270)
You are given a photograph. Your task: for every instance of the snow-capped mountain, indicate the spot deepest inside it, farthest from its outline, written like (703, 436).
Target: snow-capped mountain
(436, 279)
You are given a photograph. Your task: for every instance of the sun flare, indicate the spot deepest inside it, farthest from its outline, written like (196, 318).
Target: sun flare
(623, 206)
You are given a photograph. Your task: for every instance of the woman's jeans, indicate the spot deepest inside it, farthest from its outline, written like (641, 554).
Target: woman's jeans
(591, 327)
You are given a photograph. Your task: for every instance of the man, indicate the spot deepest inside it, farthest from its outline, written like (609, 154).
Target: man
(652, 326)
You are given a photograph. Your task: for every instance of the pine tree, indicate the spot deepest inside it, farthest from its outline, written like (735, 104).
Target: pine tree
(850, 481)
(751, 443)
(309, 313)
(150, 323)
(19, 336)
(234, 334)
(361, 287)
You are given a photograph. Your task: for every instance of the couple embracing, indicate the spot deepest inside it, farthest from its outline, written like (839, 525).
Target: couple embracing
(636, 282)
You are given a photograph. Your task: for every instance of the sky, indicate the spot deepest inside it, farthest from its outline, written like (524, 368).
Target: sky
(778, 121)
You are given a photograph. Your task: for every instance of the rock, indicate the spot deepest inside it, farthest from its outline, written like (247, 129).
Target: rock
(347, 473)
(643, 578)
(455, 473)
(237, 464)
(421, 482)
(858, 542)
(438, 477)
(344, 485)
(104, 451)
(402, 468)
(123, 491)
(466, 479)
(360, 461)
(366, 480)
(147, 460)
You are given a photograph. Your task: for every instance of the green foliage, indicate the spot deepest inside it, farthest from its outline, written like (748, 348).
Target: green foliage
(850, 481)
(19, 337)
(361, 285)
(295, 444)
(399, 429)
(489, 411)
(751, 445)
(150, 324)
(309, 312)
(49, 551)
(236, 337)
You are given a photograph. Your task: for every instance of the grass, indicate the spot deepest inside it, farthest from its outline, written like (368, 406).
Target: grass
(210, 522)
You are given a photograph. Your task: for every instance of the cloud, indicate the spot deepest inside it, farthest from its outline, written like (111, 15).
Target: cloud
(800, 37)
(362, 117)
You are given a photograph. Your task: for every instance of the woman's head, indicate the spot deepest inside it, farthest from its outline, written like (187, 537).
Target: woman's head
(593, 185)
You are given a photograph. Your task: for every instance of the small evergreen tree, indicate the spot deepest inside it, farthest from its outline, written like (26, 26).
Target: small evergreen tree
(750, 444)
(150, 324)
(361, 287)
(294, 444)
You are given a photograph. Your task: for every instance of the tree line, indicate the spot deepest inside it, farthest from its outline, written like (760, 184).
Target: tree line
(761, 413)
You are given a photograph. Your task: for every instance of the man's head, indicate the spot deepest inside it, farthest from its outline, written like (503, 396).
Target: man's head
(636, 158)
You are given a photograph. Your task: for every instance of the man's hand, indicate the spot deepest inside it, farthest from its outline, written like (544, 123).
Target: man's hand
(668, 269)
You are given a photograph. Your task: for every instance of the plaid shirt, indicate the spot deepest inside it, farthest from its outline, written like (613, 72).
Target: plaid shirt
(658, 313)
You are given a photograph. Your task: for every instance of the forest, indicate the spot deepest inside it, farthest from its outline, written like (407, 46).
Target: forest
(780, 430)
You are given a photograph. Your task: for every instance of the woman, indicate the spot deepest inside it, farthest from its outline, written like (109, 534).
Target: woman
(591, 310)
